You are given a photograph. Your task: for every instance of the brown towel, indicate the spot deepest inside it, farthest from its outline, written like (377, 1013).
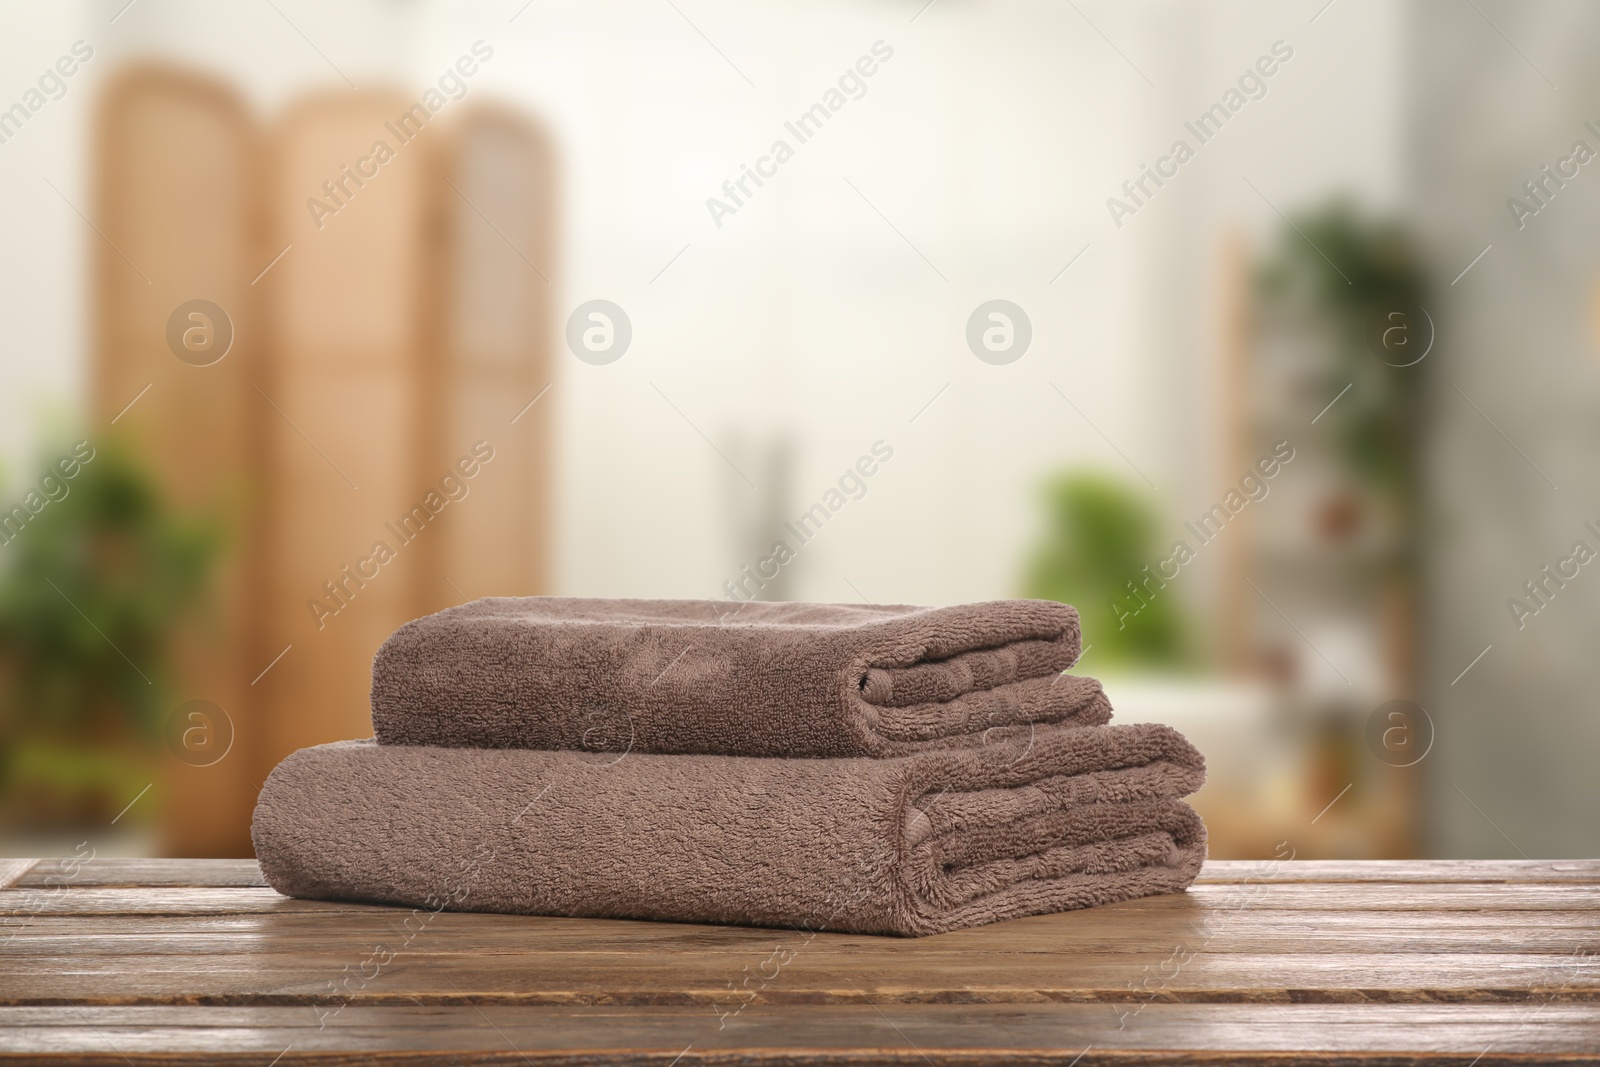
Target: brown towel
(752, 679)
(913, 845)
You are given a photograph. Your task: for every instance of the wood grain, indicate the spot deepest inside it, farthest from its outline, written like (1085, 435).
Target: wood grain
(1485, 872)
(13, 871)
(1063, 1034)
(1435, 963)
(1200, 899)
(160, 872)
(151, 873)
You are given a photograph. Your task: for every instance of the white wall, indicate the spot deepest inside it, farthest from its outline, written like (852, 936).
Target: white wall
(1514, 772)
(43, 243)
(990, 141)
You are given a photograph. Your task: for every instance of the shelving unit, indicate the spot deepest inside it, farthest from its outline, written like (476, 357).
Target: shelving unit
(1322, 601)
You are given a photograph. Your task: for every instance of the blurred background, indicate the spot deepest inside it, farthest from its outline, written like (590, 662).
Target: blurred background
(1266, 333)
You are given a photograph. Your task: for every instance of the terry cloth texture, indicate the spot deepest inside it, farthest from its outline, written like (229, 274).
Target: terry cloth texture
(912, 845)
(755, 679)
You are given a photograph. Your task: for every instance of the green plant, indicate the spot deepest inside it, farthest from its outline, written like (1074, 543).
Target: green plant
(92, 590)
(1099, 536)
(1346, 272)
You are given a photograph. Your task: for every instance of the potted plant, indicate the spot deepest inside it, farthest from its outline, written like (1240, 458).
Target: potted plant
(92, 587)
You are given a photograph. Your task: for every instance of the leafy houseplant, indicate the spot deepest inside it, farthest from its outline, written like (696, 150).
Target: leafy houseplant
(1100, 535)
(1352, 276)
(92, 589)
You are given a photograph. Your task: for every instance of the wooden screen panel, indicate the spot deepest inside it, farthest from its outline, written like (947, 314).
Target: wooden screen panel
(496, 193)
(348, 405)
(175, 199)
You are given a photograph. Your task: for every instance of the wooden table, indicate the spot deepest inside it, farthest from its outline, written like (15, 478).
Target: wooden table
(140, 961)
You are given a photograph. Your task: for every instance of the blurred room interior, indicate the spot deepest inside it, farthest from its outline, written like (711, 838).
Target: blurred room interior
(262, 346)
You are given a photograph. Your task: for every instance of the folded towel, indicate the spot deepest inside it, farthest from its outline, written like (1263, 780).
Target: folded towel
(911, 845)
(754, 679)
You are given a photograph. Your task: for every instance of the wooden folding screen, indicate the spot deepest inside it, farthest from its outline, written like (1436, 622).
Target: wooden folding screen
(349, 408)
(175, 205)
(496, 197)
(387, 273)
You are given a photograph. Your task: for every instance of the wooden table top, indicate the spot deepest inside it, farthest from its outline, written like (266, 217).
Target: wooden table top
(140, 961)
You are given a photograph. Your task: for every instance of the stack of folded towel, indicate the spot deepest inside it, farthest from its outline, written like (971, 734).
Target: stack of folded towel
(876, 769)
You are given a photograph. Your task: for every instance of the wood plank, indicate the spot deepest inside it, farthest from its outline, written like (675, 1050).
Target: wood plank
(151, 873)
(1344, 964)
(1355, 896)
(108, 871)
(1446, 871)
(1400, 896)
(1250, 931)
(12, 872)
(438, 974)
(857, 1034)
